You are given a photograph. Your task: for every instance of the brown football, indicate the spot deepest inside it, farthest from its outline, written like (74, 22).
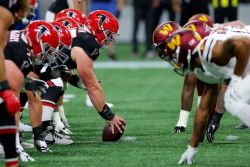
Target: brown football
(107, 135)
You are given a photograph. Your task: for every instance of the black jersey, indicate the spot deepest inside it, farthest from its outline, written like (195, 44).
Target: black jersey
(58, 5)
(16, 51)
(88, 43)
(12, 5)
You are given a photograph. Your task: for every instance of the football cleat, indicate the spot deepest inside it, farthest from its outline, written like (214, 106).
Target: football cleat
(210, 133)
(25, 157)
(241, 126)
(42, 146)
(56, 138)
(179, 129)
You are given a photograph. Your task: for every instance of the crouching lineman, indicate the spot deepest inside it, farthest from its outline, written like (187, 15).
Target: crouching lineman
(223, 54)
(36, 44)
(101, 29)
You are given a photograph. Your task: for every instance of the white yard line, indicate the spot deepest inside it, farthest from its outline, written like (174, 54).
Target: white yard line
(131, 64)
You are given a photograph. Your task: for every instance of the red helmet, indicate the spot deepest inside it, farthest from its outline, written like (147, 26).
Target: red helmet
(65, 43)
(202, 17)
(103, 25)
(64, 34)
(68, 22)
(180, 47)
(42, 40)
(199, 26)
(75, 14)
(160, 35)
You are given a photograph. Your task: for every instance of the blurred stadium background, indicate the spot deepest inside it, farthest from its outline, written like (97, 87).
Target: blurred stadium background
(126, 20)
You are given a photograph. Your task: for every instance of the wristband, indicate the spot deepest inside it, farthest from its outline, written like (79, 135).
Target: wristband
(4, 85)
(106, 113)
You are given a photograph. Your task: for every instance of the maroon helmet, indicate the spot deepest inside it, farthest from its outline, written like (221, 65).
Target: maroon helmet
(161, 34)
(180, 47)
(202, 17)
(199, 26)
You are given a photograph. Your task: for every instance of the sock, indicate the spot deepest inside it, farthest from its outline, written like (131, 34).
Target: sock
(37, 131)
(47, 113)
(183, 118)
(62, 115)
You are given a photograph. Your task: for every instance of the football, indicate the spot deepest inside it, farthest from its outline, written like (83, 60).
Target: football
(107, 135)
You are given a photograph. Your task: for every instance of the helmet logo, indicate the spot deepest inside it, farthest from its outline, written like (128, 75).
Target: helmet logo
(71, 14)
(175, 41)
(203, 18)
(66, 23)
(42, 31)
(102, 19)
(166, 29)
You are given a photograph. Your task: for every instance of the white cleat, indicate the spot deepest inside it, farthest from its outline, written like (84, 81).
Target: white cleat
(56, 138)
(24, 128)
(24, 156)
(42, 146)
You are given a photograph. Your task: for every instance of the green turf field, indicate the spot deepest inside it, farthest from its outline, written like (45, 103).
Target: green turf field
(149, 100)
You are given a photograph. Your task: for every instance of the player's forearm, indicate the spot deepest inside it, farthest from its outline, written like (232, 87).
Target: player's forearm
(97, 97)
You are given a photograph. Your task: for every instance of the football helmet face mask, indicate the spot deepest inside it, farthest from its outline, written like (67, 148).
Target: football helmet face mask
(161, 34)
(43, 41)
(75, 14)
(104, 26)
(199, 26)
(202, 17)
(65, 43)
(180, 48)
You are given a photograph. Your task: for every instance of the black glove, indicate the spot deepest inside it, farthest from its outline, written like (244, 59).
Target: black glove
(63, 71)
(76, 81)
(35, 85)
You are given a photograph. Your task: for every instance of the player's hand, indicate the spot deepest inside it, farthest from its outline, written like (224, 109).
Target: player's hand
(36, 85)
(11, 101)
(117, 122)
(188, 156)
(64, 72)
(211, 132)
(179, 129)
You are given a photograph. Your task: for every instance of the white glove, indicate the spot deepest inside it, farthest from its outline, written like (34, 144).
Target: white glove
(188, 155)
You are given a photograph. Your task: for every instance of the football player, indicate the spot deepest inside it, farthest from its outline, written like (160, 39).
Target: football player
(221, 55)
(36, 44)
(101, 29)
(9, 103)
